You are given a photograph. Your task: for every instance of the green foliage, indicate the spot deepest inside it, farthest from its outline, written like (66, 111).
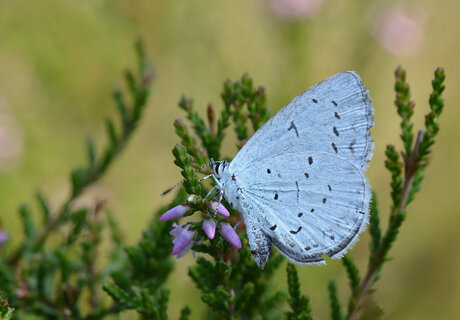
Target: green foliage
(199, 126)
(336, 314)
(151, 305)
(232, 285)
(394, 165)
(185, 313)
(353, 273)
(374, 223)
(237, 288)
(140, 283)
(6, 312)
(235, 95)
(139, 87)
(59, 280)
(66, 280)
(241, 93)
(354, 280)
(184, 161)
(405, 109)
(407, 173)
(436, 103)
(190, 144)
(299, 303)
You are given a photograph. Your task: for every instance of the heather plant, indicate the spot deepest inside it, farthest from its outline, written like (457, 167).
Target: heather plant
(63, 278)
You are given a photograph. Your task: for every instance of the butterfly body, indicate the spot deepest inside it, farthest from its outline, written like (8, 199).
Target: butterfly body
(299, 180)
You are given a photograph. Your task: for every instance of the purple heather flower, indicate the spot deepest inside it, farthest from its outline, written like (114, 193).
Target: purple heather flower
(209, 227)
(227, 231)
(175, 213)
(295, 9)
(399, 32)
(4, 236)
(219, 208)
(183, 241)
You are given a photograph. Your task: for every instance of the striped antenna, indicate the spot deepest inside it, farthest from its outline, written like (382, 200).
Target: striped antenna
(182, 181)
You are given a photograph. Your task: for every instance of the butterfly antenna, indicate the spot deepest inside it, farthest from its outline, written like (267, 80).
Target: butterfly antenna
(182, 181)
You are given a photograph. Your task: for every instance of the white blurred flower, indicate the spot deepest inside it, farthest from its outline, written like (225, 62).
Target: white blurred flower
(11, 139)
(295, 9)
(398, 33)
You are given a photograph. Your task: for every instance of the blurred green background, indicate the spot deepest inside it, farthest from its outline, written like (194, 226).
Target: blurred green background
(59, 60)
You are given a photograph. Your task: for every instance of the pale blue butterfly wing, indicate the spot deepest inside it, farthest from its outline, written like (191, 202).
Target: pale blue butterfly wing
(305, 210)
(333, 116)
(299, 181)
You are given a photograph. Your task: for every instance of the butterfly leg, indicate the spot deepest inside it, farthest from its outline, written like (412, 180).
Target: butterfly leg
(218, 186)
(207, 177)
(209, 193)
(221, 194)
(213, 176)
(238, 223)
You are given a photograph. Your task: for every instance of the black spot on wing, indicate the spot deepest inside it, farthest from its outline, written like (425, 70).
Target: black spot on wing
(306, 175)
(298, 190)
(324, 200)
(314, 100)
(334, 103)
(334, 147)
(352, 143)
(276, 196)
(269, 171)
(310, 160)
(293, 127)
(336, 115)
(272, 228)
(336, 132)
(296, 231)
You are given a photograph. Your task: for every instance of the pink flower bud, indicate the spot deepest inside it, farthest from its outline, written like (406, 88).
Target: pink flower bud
(175, 213)
(209, 227)
(219, 208)
(230, 234)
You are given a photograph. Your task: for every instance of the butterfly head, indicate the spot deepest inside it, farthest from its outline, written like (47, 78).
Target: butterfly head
(219, 167)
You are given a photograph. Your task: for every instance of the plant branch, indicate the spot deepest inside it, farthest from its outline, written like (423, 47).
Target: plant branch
(139, 88)
(380, 253)
(414, 162)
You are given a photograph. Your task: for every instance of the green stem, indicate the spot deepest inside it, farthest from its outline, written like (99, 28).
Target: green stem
(380, 254)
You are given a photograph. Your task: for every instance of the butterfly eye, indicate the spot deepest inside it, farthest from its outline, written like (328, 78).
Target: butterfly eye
(216, 168)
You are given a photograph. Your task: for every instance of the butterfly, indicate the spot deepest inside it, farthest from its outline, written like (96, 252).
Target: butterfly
(299, 180)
